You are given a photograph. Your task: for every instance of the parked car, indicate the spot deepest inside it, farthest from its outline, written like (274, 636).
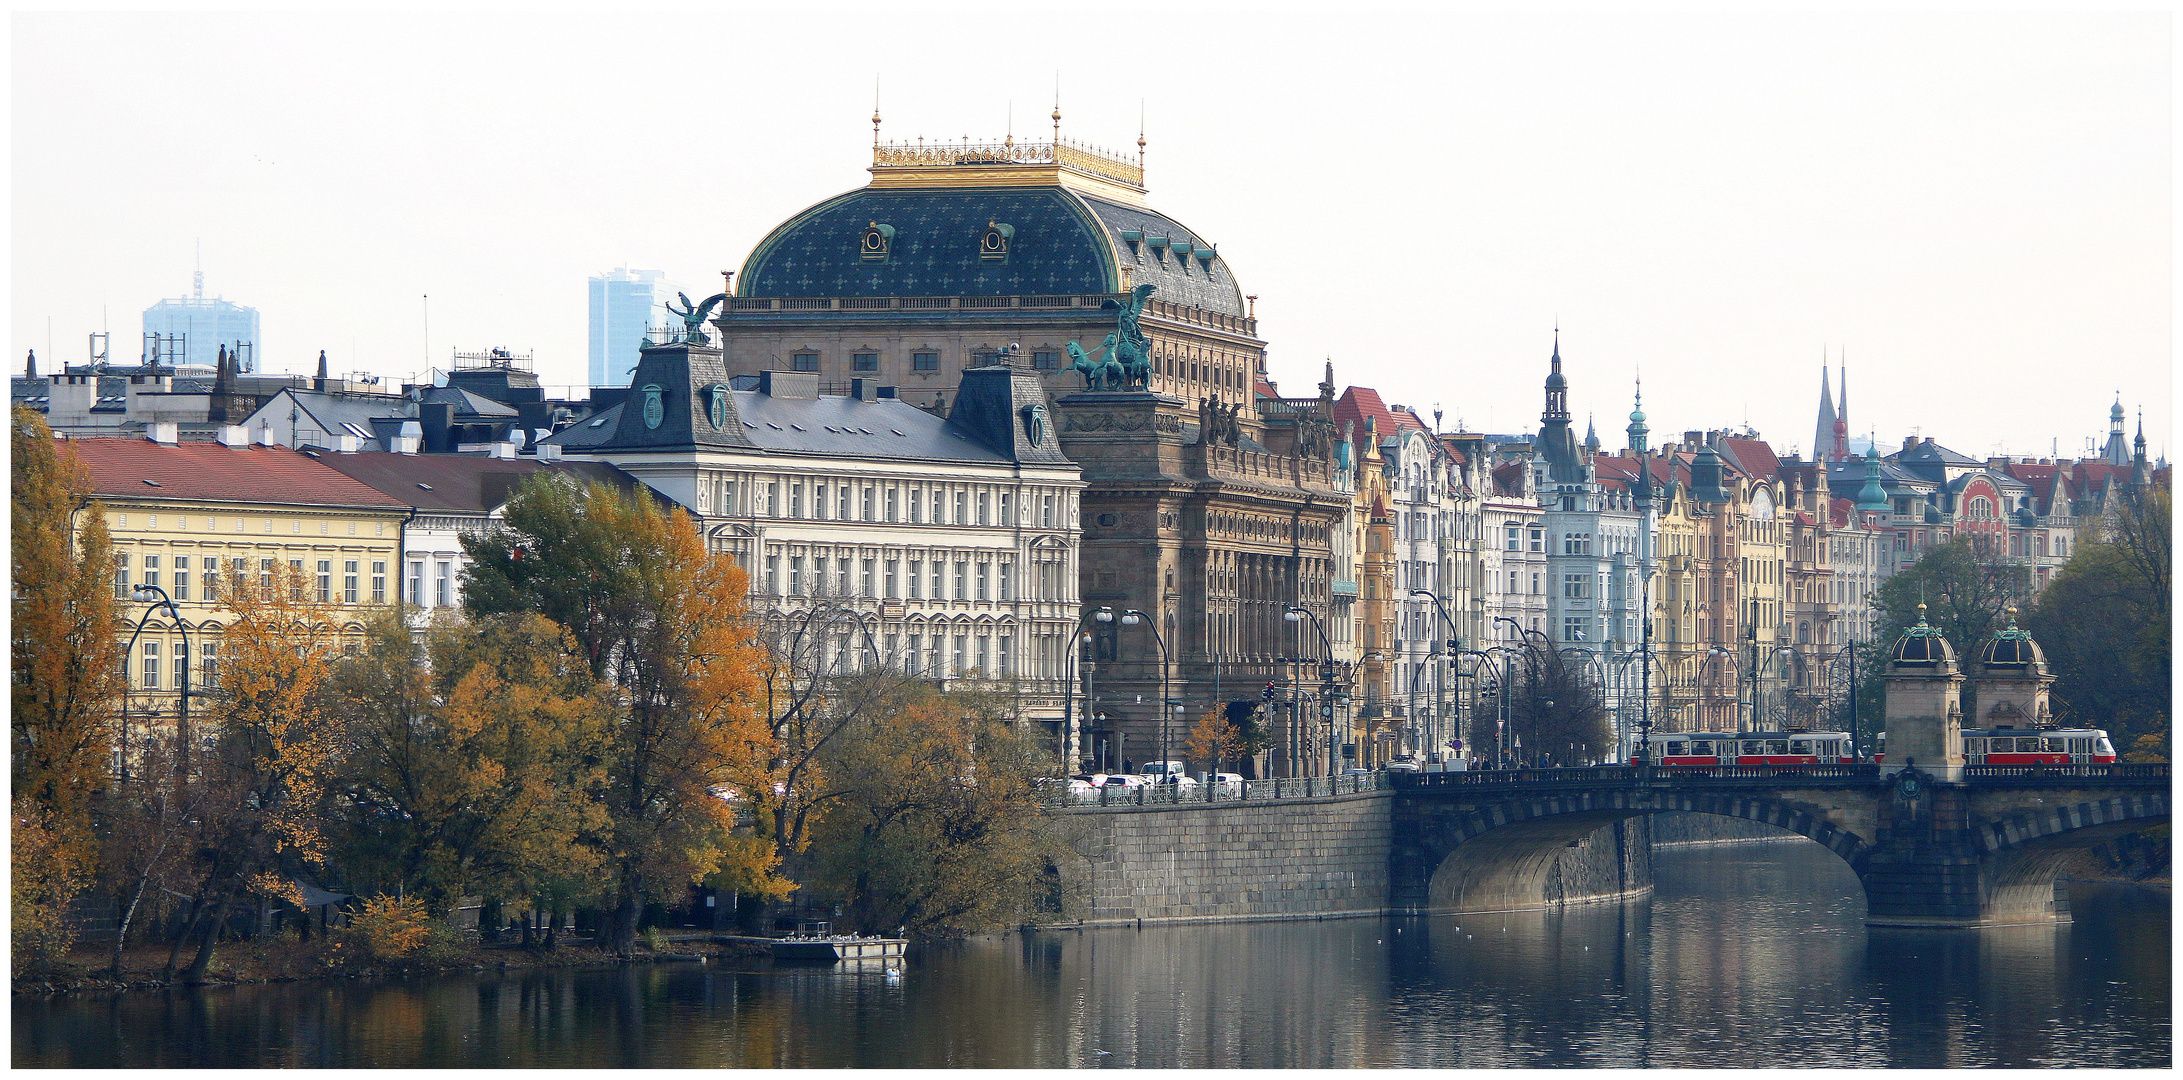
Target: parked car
(1356, 772)
(1229, 783)
(1403, 765)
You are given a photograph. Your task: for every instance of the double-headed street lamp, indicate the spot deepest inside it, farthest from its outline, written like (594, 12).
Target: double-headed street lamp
(1071, 741)
(157, 598)
(1454, 647)
(1326, 680)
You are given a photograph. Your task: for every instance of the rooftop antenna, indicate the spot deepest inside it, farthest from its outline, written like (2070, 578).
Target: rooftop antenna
(428, 330)
(875, 111)
(200, 275)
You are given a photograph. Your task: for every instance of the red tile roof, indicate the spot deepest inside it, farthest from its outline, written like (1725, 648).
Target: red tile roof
(1753, 457)
(1359, 402)
(208, 471)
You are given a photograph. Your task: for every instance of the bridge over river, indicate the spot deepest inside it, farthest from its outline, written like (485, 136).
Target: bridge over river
(1982, 845)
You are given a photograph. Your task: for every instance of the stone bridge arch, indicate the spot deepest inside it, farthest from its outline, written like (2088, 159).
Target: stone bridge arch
(2024, 854)
(1506, 853)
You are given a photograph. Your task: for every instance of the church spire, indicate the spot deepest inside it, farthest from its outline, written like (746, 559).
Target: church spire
(1823, 434)
(1640, 435)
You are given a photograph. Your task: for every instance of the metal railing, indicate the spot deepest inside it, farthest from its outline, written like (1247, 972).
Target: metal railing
(1292, 789)
(2121, 770)
(1610, 776)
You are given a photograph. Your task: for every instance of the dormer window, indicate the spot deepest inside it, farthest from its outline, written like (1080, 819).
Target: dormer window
(716, 402)
(993, 244)
(877, 241)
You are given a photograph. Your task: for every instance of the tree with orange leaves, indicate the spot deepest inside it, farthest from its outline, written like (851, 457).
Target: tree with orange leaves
(272, 750)
(661, 620)
(1213, 740)
(64, 679)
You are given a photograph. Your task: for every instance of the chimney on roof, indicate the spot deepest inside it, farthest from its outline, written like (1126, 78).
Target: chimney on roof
(1692, 439)
(347, 443)
(234, 436)
(165, 434)
(504, 451)
(549, 451)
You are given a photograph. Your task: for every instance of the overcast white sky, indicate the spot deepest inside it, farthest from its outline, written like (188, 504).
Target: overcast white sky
(1977, 207)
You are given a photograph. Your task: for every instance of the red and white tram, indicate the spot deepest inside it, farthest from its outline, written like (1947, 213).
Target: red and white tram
(2031, 746)
(1754, 748)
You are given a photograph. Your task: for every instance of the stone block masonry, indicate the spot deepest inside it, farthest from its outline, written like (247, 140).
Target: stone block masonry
(1307, 858)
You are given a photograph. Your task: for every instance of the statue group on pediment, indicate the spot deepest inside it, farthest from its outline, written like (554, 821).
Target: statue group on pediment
(1125, 356)
(1218, 421)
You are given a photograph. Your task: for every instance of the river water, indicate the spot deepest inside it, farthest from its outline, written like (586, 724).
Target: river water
(1750, 955)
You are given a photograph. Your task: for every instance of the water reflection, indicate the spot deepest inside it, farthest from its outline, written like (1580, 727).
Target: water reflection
(1749, 956)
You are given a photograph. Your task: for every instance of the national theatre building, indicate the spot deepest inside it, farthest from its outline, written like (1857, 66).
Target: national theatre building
(1208, 505)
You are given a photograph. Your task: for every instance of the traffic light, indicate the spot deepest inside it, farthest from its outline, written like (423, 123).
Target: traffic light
(1267, 694)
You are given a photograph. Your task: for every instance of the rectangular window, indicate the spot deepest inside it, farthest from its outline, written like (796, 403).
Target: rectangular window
(962, 505)
(795, 500)
(121, 576)
(416, 583)
(265, 574)
(1005, 519)
(378, 583)
(925, 361)
(892, 498)
(208, 664)
(348, 581)
(1005, 576)
(962, 580)
(1572, 628)
(1002, 670)
(1576, 586)
(1512, 581)
(807, 361)
(982, 520)
(1538, 540)
(1045, 361)
(818, 501)
(443, 588)
(867, 503)
(773, 500)
(841, 576)
(870, 566)
(917, 570)
(936, 593)
(325, 581)
(1046, 511)
(151, 665)
(962, 648)
(894, 568)
(151, 571)
(773, 575)
(795, 575)
(917, 500)
(982, 575)
(212, 580)
(181, 576)
(864, 361)
(727, 497)
(983, 642)
(910, 656)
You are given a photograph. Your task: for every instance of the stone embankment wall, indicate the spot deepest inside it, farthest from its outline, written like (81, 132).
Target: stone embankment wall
(1312, 858)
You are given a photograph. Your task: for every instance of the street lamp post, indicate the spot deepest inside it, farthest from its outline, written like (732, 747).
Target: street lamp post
(1326, 678)
(1072, 747)
(1454, 647)
(1132, 617)
(157, 598)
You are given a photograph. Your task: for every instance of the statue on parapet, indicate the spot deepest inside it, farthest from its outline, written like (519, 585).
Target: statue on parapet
(693, 316)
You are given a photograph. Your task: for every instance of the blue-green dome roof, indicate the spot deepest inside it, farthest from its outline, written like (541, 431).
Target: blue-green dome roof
(1060, 242)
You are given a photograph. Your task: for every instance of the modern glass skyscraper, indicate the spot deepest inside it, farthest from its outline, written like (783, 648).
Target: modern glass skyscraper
(203, 325)
(624, 304)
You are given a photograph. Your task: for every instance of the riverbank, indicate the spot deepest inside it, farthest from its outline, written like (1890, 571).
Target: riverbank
(88, 970)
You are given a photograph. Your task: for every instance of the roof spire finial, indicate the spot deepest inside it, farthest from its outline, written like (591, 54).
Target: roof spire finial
(875, 111)
(1010, 140)
(1140, 136)
(1057, 112)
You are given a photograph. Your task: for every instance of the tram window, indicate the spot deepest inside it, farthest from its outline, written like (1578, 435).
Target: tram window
(2057, 746)
(1701, 748)
(1777, 746)
(1753, 747)
(1675, 749)
(1800, 746)
(1974, 746)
